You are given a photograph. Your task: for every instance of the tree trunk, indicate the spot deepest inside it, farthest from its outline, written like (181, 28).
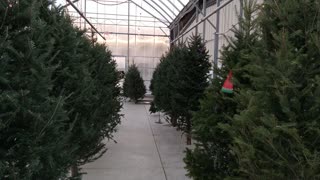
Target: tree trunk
(173, 120)
(188, 131)
(74, 171)
(188, 138)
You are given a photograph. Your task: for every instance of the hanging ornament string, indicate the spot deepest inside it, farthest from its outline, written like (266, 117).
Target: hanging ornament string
(228, 85)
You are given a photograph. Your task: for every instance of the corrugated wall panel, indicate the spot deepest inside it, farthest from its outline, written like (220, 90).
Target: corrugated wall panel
(228, 19)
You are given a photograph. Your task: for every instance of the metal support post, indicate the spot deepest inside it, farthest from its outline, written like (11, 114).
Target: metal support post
(241, 8)
(85, 12)
(216, 40)
(128, 53)
(197, 20)
(204, 8)
(178, 26)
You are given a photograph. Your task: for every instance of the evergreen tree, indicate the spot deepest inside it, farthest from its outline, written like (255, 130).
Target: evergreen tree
(153, 108)
(58, 92)
(212, 157)
(163, 82)
(87, 75)
(190, 75)
(179, 82)
(277, 128)
(32, 122)
(133, 85)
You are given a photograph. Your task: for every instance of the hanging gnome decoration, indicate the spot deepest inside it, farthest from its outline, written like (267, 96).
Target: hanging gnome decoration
(227, 85)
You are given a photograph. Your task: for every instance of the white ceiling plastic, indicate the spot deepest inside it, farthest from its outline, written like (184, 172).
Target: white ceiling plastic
(164, 10)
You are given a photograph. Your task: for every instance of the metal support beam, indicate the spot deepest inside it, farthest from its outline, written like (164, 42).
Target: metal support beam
(188, 22)
(173, 5)
(178, 26)
(241, 8)
(81, 14)
(197, 19)
(156, 10)
(85, 13)
(199, 10)
(181, 3)
(203, 19)
(125, 25)
(162, 9)
(216, 40)
(136, 34)
(167, 7)
(204, 15)
(120, 15)
(119, 19)
(150, 13)
(164, 32)
(115, 24)
(128, 53)
(69, 4)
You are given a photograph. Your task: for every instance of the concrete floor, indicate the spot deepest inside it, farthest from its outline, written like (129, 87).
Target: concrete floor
(145, 150)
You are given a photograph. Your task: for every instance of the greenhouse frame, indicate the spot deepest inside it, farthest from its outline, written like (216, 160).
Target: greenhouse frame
(141, 31)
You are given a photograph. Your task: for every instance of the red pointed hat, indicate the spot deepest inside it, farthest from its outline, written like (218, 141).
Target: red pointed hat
(228, 85)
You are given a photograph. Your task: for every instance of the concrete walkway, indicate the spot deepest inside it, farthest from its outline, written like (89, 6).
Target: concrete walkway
(145, 150)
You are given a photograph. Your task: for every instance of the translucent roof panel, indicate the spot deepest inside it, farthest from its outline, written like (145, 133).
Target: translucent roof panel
(164, 11)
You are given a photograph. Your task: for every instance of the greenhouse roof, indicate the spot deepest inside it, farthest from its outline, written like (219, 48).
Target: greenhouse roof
(165, 11)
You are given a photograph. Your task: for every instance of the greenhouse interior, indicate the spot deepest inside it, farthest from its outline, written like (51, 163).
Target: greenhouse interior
(159, 89)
